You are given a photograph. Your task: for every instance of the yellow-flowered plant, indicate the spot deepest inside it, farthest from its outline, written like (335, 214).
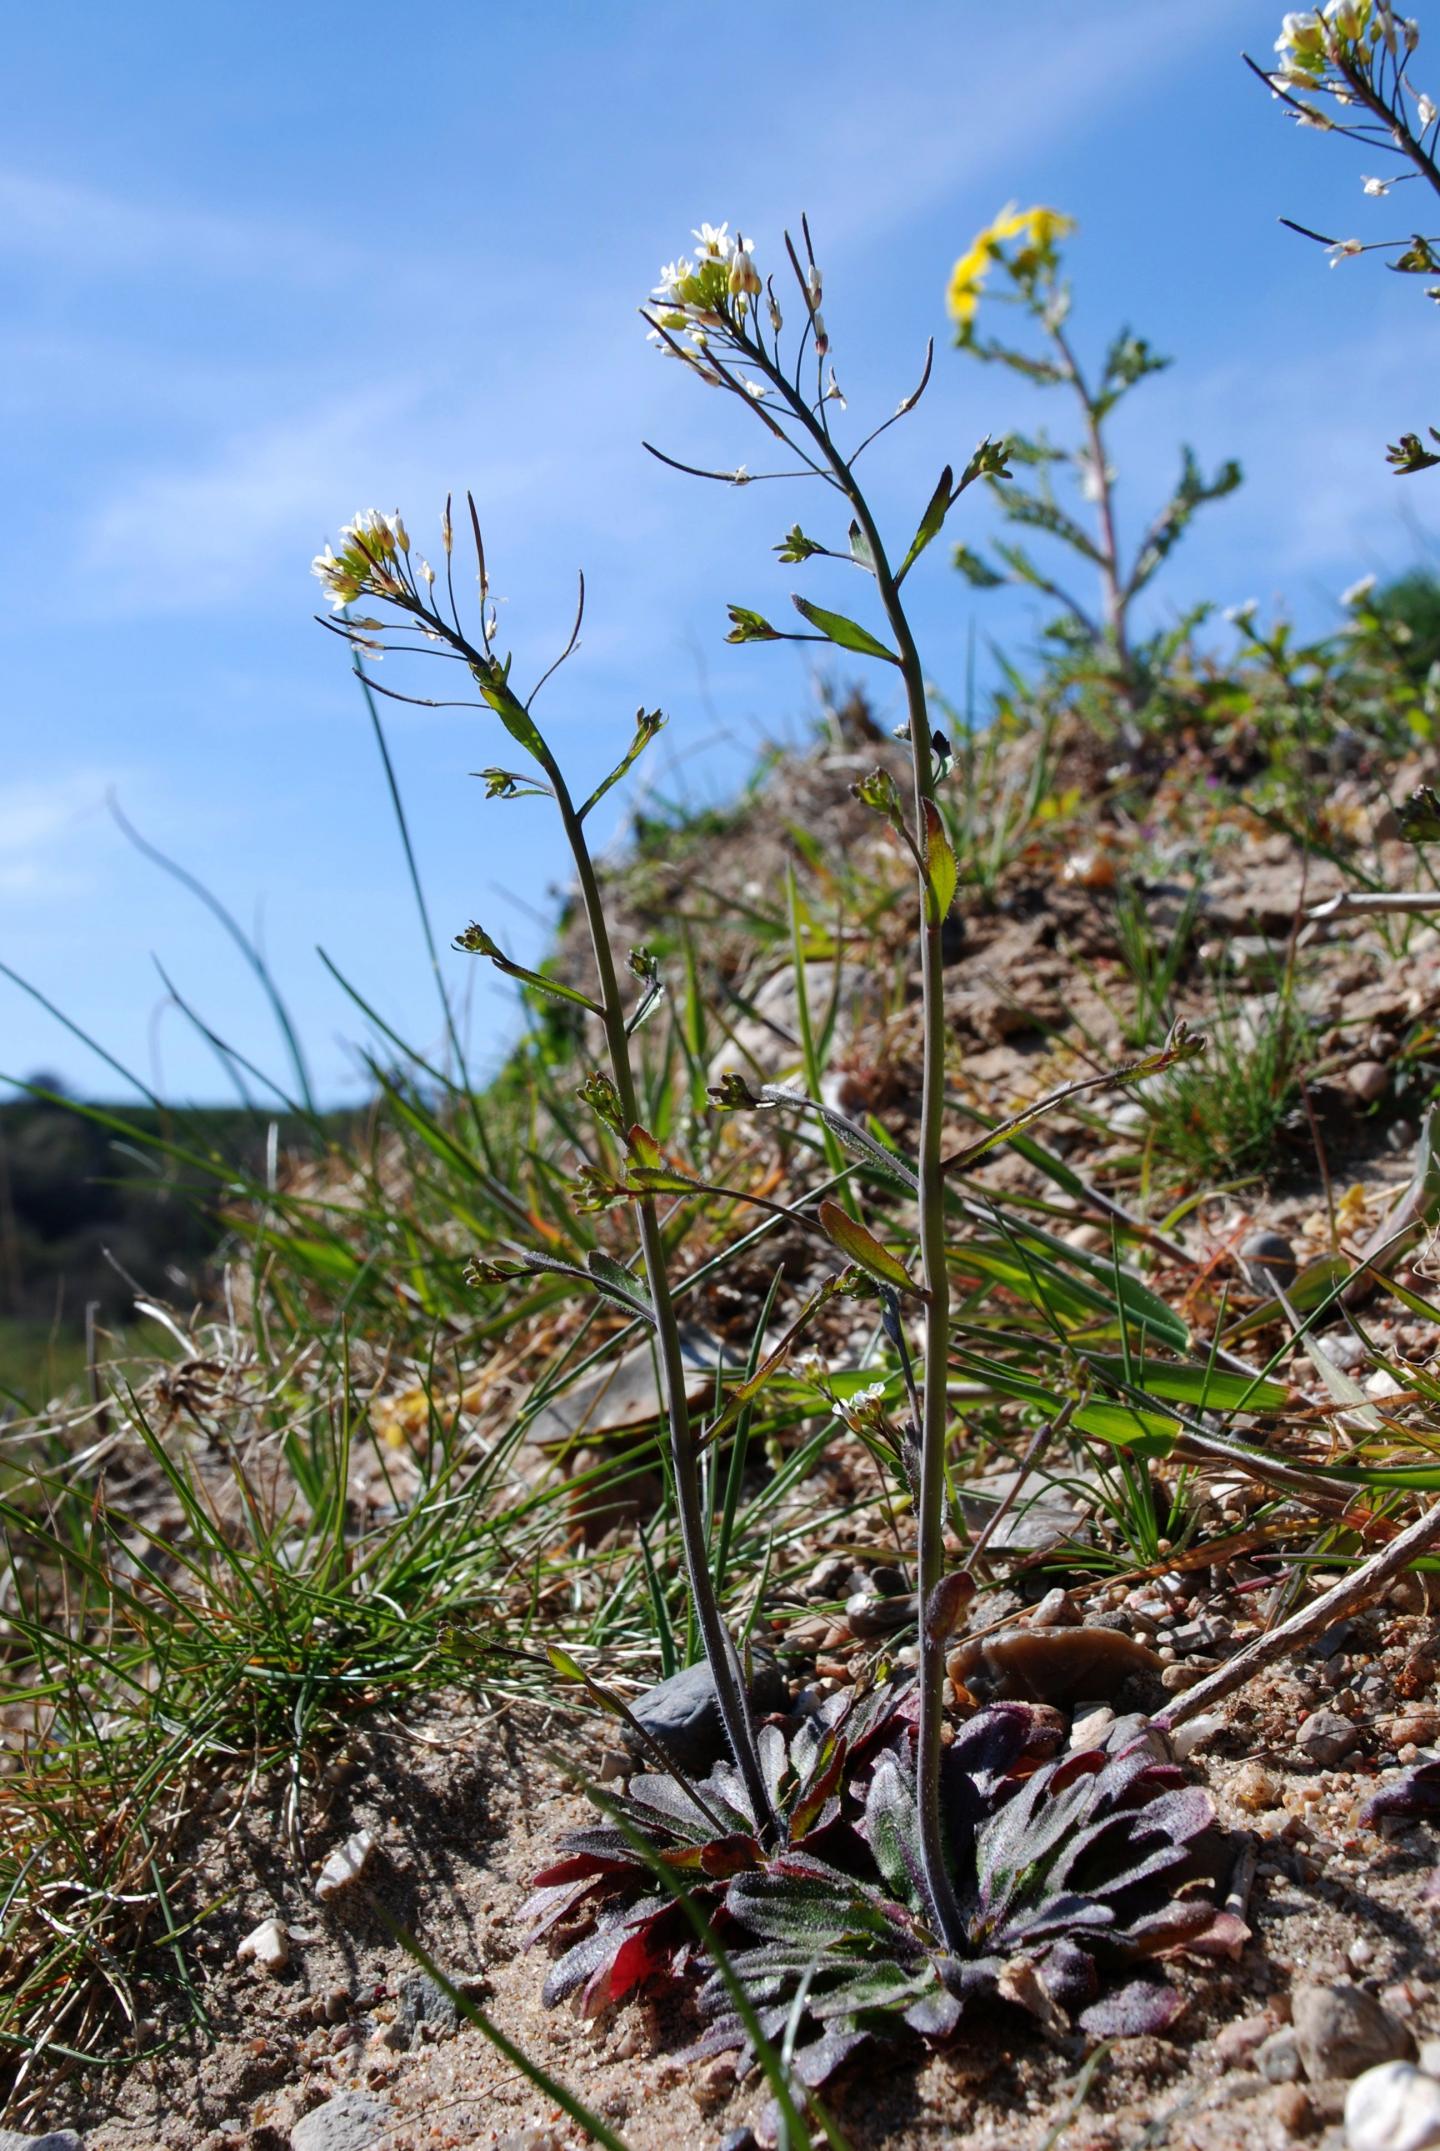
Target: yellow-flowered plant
(1039, 227)
(1018, 259)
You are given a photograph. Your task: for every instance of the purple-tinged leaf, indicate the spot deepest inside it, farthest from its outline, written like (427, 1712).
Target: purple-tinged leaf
(1131, 2012)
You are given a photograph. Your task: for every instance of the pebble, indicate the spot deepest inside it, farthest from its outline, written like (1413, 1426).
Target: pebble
(1293, 2110)
(1367, 1081)
(1394, 2107)
(1268, 1260)
(1057, 1609)
(1091, 1730)
(345, 1866)
(267, 1947)
(1341, 2030)
(57, 2140)
(1238, 2040)
(1188, 1738)
(1325, 1738)
(1278, 2057)
(349, 2122)
(1256, 1787)
(683, 1712)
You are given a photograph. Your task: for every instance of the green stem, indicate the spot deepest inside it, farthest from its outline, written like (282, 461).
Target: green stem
(934, 1428)
(719, 1649)
(1111, 583)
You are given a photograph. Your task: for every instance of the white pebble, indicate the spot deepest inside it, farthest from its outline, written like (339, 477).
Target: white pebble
(267, 1947)
(1393, 2108)
(345, 1866)
(1193, 1734)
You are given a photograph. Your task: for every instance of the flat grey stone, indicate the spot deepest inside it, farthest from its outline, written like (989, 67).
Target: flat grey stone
(57, 2140)
(349, 2122)
(625, 1393)
(1042, 1516)
(683, 1713)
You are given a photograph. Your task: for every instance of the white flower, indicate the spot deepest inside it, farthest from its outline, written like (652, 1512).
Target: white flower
(341, 586)
(740, 476)
(822, 340)
(833, 394)
(757, 389)
(672, 276)
(1242, 615)
(777, 319)
(427, 571)
(1424, 110)
(1411, 29)
(1357, 592)
(1376, 186)
(1296, 27)
(714, 242)
(814, 287)
(1342, 249)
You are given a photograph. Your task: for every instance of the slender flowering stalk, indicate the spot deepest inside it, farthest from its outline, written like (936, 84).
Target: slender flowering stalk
(1346, 69)
(701, 314)
(376, 563)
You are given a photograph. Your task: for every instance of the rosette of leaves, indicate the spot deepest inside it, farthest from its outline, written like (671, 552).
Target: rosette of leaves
(1067, 1869)
(706, 1834)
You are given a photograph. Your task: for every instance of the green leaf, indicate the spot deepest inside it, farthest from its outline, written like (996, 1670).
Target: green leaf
(748, 626)
(976, 570)
(1208, 1388)
(491, 680)
(647, 724)
(1125, 1426)
(845, 634)
(941, 870)
(860, 1245)
(860, 551)
(566, 1666)
(797, 547)
(932, 522)
(476, 942)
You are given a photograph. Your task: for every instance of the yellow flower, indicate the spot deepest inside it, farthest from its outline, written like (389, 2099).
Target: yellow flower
(1041, 228)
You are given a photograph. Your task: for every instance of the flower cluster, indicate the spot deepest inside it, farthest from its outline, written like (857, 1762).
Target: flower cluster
(1040, 228)
(1312, 40)
(368, 562)
(705, 309)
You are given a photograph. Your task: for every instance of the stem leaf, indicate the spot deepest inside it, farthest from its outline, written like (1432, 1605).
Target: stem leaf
(845, 634)
(860, 1245)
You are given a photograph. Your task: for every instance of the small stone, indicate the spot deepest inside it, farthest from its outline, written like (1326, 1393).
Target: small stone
(351, 2121)
(335, 2004)
(1057, 1609)
(267, 1947)
(1293, 2110)
(1342, 2030)
(1325, 1738)
(1278, 2057)
(1239, 2040)
(1255, 1787)
(1176, 1679)
(1367, 1081)
(683, 1712)
(1268, 1260)
(345, 1866)
(57, 2140)
(1194, 1734)
(1092, 1730)
(1392, 2108)
(870, 1615)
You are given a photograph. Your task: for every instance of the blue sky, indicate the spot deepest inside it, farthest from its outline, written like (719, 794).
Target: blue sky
(264, 265)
